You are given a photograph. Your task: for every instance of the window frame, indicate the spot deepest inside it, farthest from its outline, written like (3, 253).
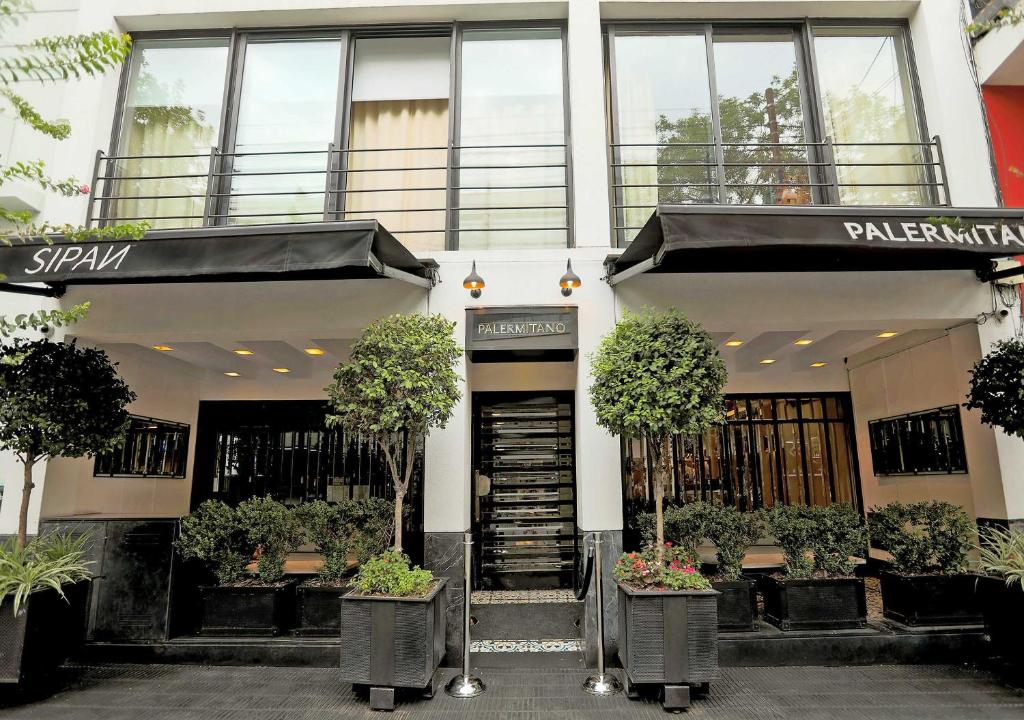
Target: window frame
(803, 39)
(162, 425)
(238, 40)
(951, 412)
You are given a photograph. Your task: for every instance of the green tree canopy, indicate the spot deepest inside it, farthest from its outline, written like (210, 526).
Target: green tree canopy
(399, 384)
(58, 400)
(657, 375)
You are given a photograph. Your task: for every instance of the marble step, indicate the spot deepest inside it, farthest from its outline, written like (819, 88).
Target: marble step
(526, 621)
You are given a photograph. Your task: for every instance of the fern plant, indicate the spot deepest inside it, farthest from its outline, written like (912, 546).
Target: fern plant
(50, 561)
(1002, 554)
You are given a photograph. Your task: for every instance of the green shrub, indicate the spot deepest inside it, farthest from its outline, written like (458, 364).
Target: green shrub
(52, 561)
(272, 531)
(642, 570)
(830, 533)
(1002, 554)
(922, 537)
(733, 532)
(211, 535)
(337, 529)
(686, 527)
(372, 521)
(390, 574)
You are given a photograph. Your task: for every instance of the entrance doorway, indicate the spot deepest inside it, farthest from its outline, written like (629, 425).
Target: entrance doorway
(524, 489)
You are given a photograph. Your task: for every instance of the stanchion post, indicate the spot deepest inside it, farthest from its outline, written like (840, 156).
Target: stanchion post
(466, 685)
(603, 683)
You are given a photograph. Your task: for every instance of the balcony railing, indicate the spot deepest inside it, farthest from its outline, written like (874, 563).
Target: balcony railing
(448, 196)
(645, 175)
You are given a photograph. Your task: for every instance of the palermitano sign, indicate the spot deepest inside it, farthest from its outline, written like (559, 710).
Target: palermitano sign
(948, 231)
(521, 333)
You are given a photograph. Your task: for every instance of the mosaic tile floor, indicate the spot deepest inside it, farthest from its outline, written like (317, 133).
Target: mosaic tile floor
(525, 646)
(522, 597)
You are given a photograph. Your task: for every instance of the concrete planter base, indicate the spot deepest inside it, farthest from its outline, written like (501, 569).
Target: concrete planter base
(930, 599)
(248, 610)
(737, 605)
(814, 603)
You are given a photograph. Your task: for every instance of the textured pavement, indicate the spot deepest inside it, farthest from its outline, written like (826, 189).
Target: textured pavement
(183, 692)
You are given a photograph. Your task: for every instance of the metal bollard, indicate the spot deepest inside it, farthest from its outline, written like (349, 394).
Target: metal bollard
(602, 683)
(466, 685)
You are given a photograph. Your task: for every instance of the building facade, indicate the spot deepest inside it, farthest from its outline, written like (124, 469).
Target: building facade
(812, 181)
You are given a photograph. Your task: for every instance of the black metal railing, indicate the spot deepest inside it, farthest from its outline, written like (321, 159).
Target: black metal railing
(644, 175)
(453, 191)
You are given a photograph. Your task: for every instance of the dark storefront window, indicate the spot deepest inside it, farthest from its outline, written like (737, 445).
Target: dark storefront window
(152, 448)
(772, 449)
(929, 442)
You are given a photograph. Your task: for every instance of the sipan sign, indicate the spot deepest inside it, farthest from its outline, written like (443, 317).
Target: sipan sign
(55, 259)
(520, 331)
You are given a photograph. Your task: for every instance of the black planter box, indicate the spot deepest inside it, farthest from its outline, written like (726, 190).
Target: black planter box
(248, 610)
(930, 599)
(814, 603)
(393, 642)
(668, 638)
(46, 630)
(319, 609)
(737, 604)
(1003, 610)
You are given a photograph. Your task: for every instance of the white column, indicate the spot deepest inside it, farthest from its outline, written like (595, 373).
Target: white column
(589, 147)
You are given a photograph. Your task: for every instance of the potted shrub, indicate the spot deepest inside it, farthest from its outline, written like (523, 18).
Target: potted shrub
(393, 623)
(1001, 591)
(359, 527)
(818, 589)
(927, 581)
(44, 591)
(657, 375)
(398, 384)
(248, 598)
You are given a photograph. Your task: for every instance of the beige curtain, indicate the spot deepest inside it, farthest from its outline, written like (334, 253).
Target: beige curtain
(416, 217)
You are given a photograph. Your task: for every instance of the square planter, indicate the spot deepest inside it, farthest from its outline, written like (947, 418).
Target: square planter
(1003, 608)
(668, 638)
(248, 610)
(390, 643)
(930, 599)
(737, 604)
(814, 603)
(44, 633)
(319, 610)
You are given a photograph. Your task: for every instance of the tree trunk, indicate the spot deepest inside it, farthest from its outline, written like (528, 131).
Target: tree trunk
(26, 495)
(660, 448)
(399, 497)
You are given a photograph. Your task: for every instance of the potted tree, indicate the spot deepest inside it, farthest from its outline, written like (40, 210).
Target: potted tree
(245, 548)
(1001, 591)
(359, 527)
(657, 375)
(818, 589)
(56, 400)
(927, 581)
(399, 384)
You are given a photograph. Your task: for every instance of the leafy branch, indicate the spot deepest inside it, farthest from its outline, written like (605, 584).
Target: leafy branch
(59, 130)
(1006, 17)
(43, 319)
(65, 57)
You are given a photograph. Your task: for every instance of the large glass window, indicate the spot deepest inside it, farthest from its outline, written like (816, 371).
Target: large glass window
(794, 450)
(399, 119)
(171, 120)
(867, 98)
(152, 448)
(512, 175)
(928, 442)
(287, 112)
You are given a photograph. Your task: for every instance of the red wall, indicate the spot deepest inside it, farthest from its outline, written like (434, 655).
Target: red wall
(1005, 105)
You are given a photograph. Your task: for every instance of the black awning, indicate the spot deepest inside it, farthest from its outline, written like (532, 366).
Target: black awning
(723, 238)
(336, 250)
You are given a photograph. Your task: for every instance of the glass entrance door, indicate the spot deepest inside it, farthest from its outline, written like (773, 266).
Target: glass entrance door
(524, 490)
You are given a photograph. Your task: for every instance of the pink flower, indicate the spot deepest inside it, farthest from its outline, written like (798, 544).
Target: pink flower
(689, 570)
(84, 189)
(668, 543)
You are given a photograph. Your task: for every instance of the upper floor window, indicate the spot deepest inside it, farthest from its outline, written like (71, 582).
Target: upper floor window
(152, 448)
(731, 114)
(927, 442)
(306, 127)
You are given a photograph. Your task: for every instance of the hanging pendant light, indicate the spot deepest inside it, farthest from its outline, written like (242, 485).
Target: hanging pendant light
(570, 280)
(474, 283)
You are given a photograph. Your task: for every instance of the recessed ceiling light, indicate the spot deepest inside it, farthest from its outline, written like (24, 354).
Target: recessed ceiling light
(818, 364)
(243, 351)
(887, 334)
(803, 341)
(233, 374)
(313, 351)
(282, 370)
(767, 361)
(733, 343)
(162, 348)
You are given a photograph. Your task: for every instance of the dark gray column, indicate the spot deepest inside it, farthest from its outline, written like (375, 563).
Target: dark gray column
(443, 554)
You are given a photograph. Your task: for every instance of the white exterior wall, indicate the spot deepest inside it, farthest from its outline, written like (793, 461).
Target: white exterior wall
(299, 311)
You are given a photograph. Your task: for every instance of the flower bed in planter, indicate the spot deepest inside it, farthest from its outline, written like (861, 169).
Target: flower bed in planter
(814, 603)
(1003, 609)
(930, 599)
(319, 609)
(46, 630)
(247, 609)
(737, 604)
(668, 637)
(393, 642)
